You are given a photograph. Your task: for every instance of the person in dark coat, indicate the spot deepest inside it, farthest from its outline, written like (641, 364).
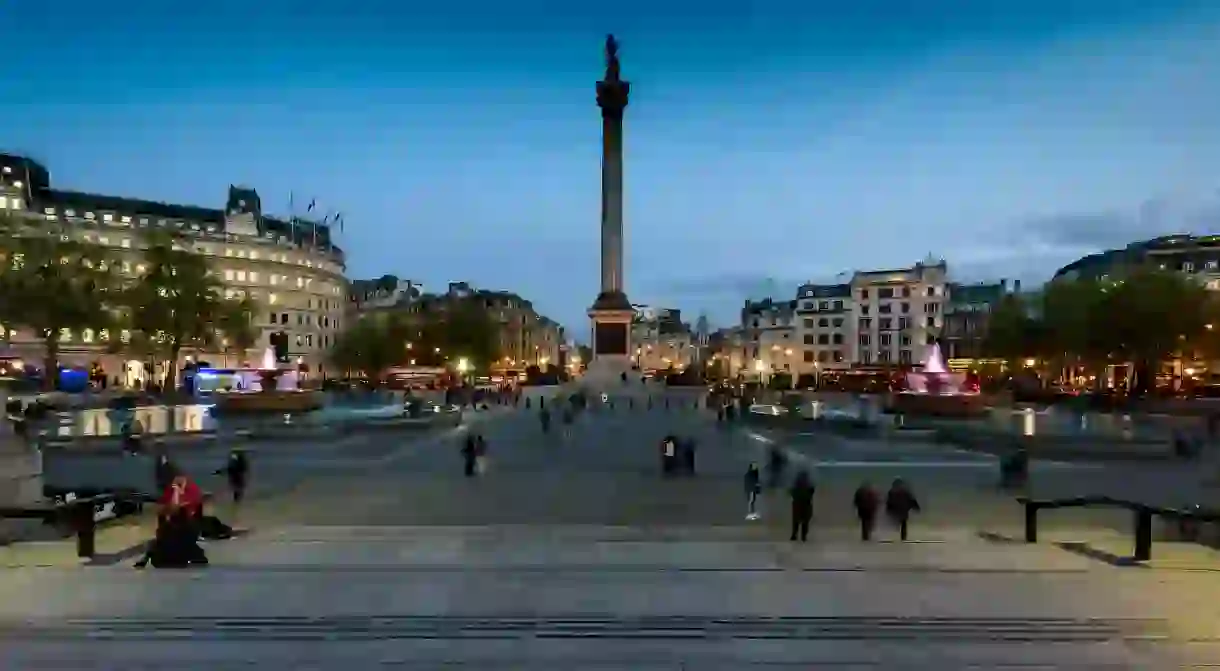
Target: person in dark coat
(669, 454)
(470, 453)
(866, 503)
(753, 487)
(237, 472)
(802, 505)
(900, 502)
(688, 455)
(164, 473)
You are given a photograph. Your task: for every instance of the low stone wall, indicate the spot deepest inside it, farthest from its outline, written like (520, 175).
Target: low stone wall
(1062, 447)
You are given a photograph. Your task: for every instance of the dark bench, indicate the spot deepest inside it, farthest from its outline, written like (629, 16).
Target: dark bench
(1142, 513)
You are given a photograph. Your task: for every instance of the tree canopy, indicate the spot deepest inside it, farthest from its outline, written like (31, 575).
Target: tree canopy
(1142, 317)
(177, 303)
(53, 285)
(463, 330)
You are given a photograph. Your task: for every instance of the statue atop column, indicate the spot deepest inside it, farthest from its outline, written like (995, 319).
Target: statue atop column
(612, 67)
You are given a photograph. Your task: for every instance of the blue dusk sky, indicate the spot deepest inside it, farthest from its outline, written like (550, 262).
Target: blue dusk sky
(767, 143)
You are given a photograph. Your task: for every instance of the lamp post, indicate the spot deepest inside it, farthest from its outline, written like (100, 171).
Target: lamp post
(463, 367)
(760, 368)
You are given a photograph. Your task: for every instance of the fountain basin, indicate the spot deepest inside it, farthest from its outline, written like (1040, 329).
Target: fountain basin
(269, 401)
(955, 406)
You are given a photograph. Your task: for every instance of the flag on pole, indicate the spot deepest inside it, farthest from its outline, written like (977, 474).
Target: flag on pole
(312, 203)
(292, 213)
(339, 220)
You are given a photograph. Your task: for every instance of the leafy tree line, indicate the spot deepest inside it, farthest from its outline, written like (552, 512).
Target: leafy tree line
(1142, 318)
(51, 284)
(375, 342)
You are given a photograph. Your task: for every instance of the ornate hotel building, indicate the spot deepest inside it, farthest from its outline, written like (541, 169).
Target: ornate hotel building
(290, 267)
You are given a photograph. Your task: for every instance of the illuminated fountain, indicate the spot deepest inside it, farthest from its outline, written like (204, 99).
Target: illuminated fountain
(934, 391)
(278, 390)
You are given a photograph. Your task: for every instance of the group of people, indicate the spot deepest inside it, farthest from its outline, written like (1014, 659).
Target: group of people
(181, 520)
(677, 456)
(900, 503)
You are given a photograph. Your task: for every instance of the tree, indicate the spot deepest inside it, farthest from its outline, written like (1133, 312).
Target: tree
(177, 303)
(371, 345)
(463, 329)
(52, 285)
(586, 354)
(1013, 333)
(1149, 317)
(235, 324)
(1142, 317)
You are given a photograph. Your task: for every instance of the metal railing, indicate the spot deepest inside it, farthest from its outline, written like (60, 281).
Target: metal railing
(1143, 515)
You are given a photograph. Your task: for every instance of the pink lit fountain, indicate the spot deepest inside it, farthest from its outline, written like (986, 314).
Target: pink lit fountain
(934, 391)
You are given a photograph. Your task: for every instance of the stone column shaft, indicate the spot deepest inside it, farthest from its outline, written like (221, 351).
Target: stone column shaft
(612, 203)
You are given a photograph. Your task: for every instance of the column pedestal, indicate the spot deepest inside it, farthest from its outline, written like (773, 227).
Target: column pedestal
(611, 317)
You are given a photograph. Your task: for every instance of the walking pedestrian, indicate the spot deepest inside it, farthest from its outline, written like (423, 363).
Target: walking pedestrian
(236, 471)
(480, 454)
(802, 505)
(669, 454)
(866, 503)
(900, 502)
(753, 487)
(469, 452)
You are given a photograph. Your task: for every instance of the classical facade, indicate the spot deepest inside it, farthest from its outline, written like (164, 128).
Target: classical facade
(967, 313)
(770, 344)
(525, 337)
(825, 327)
(662, 341)
(898, 312)
(290, 267)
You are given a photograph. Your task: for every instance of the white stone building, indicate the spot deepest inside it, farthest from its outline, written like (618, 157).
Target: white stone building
(825, 328)
(661, 340)
(898, 312)
(289, 266)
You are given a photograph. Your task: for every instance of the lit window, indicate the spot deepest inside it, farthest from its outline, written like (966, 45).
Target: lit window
(87, 335)
(49, 210)
(70, 213)
(228, 252)
(228, 275)
(125, 243)
(254, 255)
(103, 240)
(18, 184)
(253, 276)
(139, 267)
(65, 335)
(108, 218)
(241, 276)
(8, 170)
(272, 298)
(88, 215)
(125, 219)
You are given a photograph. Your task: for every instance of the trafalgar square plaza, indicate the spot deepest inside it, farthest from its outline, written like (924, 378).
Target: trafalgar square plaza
(574, 548)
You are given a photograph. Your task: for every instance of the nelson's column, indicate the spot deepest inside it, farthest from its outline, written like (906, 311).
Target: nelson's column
(611, 313)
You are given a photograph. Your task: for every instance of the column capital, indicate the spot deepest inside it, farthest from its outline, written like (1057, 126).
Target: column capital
(612, 97)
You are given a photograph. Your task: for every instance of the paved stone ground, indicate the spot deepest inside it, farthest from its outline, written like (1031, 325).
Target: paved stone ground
(575, 554)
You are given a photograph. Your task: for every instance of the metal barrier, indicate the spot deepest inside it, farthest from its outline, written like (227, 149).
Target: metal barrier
(77, 516)
(1143, 514)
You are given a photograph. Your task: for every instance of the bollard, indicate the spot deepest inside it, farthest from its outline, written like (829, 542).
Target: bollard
(527, 403)
(1031, 523)
(288, 418)
(542, 402)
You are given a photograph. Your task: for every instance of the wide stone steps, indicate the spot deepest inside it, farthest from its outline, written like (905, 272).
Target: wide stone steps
(684, 627)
